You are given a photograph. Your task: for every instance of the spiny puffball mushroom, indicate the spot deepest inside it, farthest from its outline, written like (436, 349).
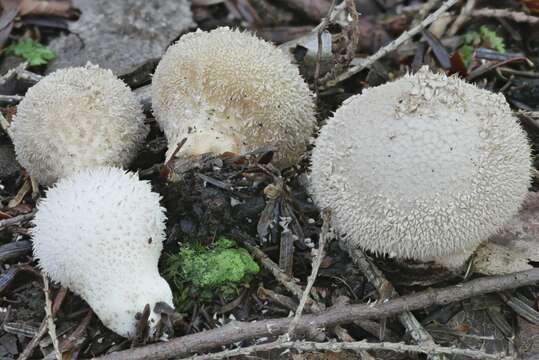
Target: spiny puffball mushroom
(426, 166)
(228, 91)
(99, 232)
(76, 118)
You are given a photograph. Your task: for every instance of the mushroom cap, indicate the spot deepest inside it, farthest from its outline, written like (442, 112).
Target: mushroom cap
(421, 167)
(76, 118)
(228, 91)
(99, 232)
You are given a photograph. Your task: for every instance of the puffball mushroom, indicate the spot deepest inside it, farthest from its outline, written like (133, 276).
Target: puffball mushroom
(423, 167)
(76, 118)
(99, 232)
(228, 91)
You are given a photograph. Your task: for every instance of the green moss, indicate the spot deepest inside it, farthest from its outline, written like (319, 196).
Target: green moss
(32, 52)
(473, 39)
(491, 39)
(198, 272)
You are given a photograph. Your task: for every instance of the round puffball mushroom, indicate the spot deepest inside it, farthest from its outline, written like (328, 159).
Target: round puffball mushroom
(423, 167)
(99, 232)
(76, 118)
(228, 91)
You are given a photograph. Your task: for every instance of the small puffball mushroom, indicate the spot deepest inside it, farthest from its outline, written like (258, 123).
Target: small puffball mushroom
(99, 232)
(425, 167)
(76, 118)
(228, 91)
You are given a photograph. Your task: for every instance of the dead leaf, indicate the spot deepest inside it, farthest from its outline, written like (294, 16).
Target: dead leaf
(51, 8)
(514, 248)
(10, 9)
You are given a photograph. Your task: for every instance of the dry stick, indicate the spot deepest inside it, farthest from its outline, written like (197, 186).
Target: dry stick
(6, 126)
(425, 9)
(16, 220)
(50, 317)
(287, 281)
(240, 331)
(29, 350)
(465, 15)
(504, 13)
(352, 346)
(405, 36)
(324, 234)
(320, 29)
(386, 290)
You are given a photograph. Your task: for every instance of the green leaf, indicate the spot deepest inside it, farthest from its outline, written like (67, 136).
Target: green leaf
(32, 52)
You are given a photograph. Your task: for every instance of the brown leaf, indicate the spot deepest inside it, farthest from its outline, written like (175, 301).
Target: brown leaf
(516, 246)
(10, 9)
(51, 8)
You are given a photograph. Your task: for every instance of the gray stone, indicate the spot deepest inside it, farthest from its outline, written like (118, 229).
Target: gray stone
(121, 35)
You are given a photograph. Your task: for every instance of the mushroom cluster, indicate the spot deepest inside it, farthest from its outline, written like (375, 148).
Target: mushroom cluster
(77, 118)
(99, 232)
(425, 167)
(228, 91)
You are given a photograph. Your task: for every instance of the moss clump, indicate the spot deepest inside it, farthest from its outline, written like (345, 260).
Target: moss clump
(485, 37)
(32, 52)
(196, 271)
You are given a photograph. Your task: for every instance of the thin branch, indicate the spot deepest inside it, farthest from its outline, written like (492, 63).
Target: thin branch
(6, 126)
(287, 281)
(29, 350)
(404, 37)
(465, 15)
(17, 220)
(504, 13)
(240, 331)
(317, 261)
(50, 317)
(320, 29)
(353, 346)
(386, 290)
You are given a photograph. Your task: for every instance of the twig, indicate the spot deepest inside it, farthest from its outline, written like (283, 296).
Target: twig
(287, 281)
(405, 36)
(29, 350)
(10, 99)
(324, 234)
(504, 13)
(425, 9)
(353, 346)
(320, 29)
(465, 15)
(240, 331)
(5, 126)
(16, 220)
(50, 317)
(386, 290)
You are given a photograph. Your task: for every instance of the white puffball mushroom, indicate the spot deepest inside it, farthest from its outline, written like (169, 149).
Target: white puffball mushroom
(426, 167)
(228, 91)
(76, 118)
(99, 232)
